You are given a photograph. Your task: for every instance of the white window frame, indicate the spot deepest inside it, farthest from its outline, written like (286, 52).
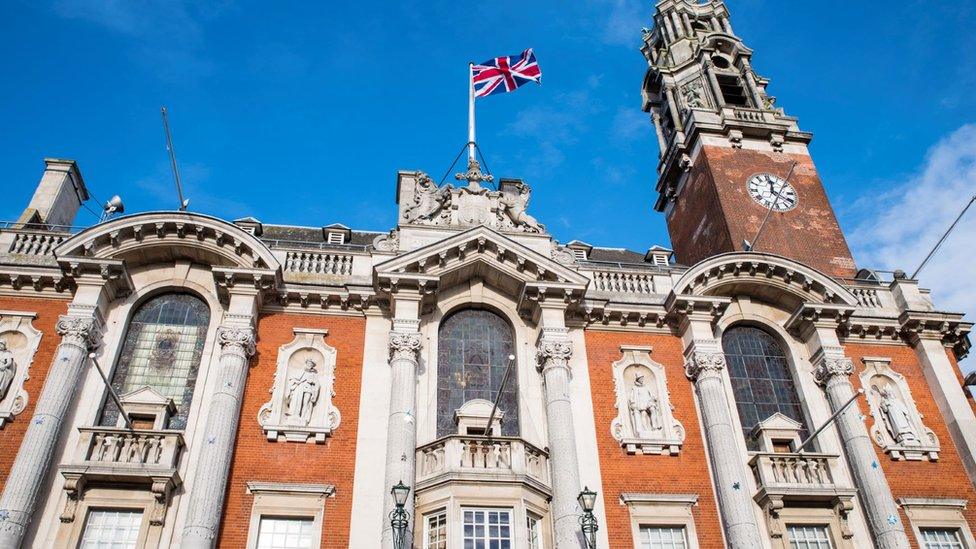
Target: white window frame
(426, 533)
(335, 237)
(662, 510)
(825, 526)
(945, 513)
(284, 500)
(91, 510)
(638, 542)
(840, 535)
(70, 533)
(539, 528)
(512, 520)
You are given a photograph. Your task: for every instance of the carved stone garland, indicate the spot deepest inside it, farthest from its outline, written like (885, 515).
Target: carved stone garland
(301, 407)
(898, 427)
(18, 344)
(645, 422)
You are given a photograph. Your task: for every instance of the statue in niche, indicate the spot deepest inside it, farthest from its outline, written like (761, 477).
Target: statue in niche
(429, 200)
(515, 206)
(8, 369)
(303, 393)
(896, 417)
(645, 409)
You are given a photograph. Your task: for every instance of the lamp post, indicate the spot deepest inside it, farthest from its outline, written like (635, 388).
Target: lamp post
(587, 500)
(399, 519)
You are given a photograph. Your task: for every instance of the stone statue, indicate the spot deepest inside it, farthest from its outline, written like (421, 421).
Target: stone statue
(303, 393)
(8, 369)
(514, 207)
(897, 418)
(692, 95)
(645, 410)
(429, 200)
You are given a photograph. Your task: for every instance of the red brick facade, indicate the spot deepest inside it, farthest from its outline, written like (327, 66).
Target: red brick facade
(945, 478)
(48, 311)
(257, 459)
(714, 212)
(685, 473)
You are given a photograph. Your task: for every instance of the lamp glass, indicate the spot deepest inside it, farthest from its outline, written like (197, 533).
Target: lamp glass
(400, 492)
(587, 499)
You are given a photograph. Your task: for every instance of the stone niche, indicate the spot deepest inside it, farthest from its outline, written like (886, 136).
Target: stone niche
(18, 343)
(645, 422)
(898, 427)
(301, 408)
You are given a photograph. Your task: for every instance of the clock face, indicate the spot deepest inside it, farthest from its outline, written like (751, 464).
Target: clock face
(772, 192)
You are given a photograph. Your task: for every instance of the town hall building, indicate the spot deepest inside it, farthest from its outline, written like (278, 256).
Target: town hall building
(463, 380)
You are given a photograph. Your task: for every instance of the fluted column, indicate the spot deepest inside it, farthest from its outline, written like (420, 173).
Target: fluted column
(401, 445)
(213, 462)
(735, 504)
(553, 354)
(832, 374)
(79, 335)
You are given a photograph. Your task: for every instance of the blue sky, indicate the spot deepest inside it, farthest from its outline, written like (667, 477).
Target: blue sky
(302, 114)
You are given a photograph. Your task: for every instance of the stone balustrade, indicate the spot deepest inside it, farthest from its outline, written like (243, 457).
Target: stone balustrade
(31, 243)
(793, 472)
(478, 457)
(318, 263)
(140, 448)
(625, 282)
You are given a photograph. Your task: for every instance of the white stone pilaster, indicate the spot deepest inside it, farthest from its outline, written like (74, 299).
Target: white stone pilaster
(80, 333)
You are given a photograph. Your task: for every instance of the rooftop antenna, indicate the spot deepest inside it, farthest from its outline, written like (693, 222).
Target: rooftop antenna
(750, 246)
(172, 161)
(944, 236)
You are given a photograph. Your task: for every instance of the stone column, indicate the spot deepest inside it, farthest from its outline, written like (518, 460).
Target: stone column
(713, 82)
(79, 336)
(704, 366)
(213, 463)
(553, 354)
(673, 107)
(401, 445)
(751, 83)
(662, 143)
(832, 374)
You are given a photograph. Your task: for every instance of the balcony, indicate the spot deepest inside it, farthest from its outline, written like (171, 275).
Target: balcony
(472, 458)
(799, 477)
(114, 455)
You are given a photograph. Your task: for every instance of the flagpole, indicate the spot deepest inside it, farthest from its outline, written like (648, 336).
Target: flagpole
(470, 111)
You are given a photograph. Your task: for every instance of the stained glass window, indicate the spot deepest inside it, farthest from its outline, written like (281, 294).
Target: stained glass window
(162, 350)
(761, 378)
(473, 349)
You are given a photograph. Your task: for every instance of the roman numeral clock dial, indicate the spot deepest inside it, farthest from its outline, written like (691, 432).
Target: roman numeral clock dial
(772, 192)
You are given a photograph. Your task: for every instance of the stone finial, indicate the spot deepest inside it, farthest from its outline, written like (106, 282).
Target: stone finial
(701, 364)
(404, 346)
(239, 339)
(473, 176)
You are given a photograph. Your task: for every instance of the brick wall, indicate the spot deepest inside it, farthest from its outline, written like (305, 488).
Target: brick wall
(809, 233)
(256, 458)
(48, 311)
(686, 473)
(945, 478)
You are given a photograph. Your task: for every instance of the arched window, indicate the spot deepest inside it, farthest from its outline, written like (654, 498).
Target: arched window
(473, 346)
(162, 350)
(761, 378)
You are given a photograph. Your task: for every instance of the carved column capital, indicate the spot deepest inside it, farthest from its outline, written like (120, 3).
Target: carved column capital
(236, 339)
(554, 353)
(81, 331)
(704, 364)
(831, 368)
(404, 346)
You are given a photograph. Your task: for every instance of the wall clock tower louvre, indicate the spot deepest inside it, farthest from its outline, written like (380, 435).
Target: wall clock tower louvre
(728, 153)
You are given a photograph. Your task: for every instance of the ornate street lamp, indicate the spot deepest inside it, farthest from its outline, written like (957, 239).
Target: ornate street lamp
(399, 519)
(587, 500)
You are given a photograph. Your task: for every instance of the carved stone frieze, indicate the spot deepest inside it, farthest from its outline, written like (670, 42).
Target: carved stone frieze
(404, 346)
(693, 94)
(301, 406)
(237, 339)
(645, 422)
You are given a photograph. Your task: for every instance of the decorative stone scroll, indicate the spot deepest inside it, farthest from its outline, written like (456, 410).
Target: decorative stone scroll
(18, 343)
(301, 407)
(898, 427)
(645, 422)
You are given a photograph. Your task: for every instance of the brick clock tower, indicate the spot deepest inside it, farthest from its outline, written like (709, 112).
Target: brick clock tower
(729, 156)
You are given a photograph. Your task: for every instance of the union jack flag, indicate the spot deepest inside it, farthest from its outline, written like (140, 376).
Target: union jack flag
(505, 74)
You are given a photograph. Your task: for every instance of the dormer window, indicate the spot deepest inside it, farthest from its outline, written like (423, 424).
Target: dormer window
(336, 238)
(579, 254)
(336, 234)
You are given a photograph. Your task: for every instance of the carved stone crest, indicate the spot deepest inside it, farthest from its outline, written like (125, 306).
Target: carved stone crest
(18, 343)
(301, 407)
(645, 422)
(898, 427)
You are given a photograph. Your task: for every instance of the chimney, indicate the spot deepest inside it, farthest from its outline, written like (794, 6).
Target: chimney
(59, 194)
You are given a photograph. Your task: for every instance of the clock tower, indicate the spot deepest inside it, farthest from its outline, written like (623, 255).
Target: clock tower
(731, 160)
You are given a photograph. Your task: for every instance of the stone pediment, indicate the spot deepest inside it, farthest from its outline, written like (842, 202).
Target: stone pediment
(767, 277)
(145, 395)
(483, 253)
